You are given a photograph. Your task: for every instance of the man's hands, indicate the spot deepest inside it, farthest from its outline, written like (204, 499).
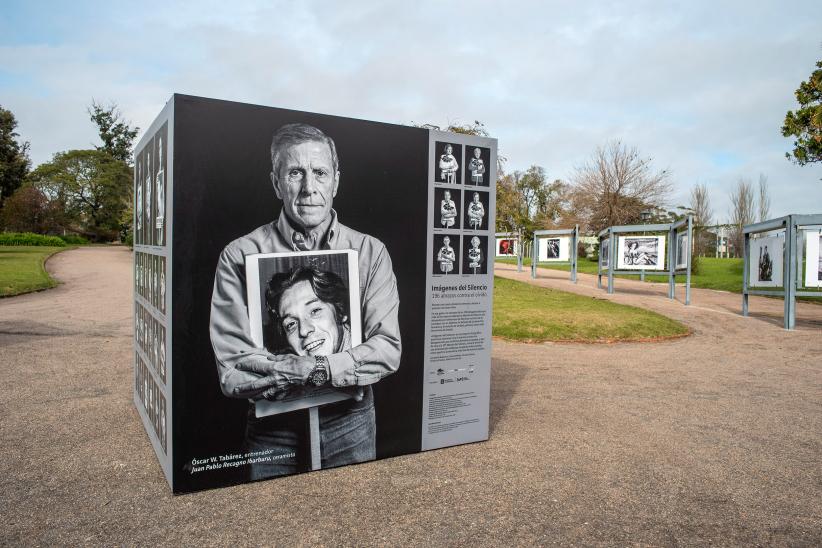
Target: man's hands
(279, 376)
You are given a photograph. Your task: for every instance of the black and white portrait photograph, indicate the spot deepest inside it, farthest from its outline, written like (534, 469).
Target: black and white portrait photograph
(303, 304)
(554, 249)
(682, 250)
(641, 253)
(262, 181)
(447, 208)
(476, 210)
(446, 254)
(475, 260)
(448, 159)
(477, 168)
(766, 261)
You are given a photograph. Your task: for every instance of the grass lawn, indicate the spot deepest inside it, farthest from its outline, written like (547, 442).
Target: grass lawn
(22, 270)
(526, 312)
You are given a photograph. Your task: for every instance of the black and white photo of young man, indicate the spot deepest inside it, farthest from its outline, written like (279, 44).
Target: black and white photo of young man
(765, 265)
(306, 178)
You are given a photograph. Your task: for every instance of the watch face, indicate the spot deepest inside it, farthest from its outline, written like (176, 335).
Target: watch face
(319, 377)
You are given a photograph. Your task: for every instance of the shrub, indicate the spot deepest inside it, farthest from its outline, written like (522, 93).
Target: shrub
(29, 238)
(74, 239)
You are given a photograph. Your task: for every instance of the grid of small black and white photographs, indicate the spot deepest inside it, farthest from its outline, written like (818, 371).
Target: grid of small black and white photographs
(474, 259)
(446, 254)
(447, 209)
(154, 403)
(477, 168)
(476, 210)
(150, 186)
(448, 163)
(151, 340)
(150, 279)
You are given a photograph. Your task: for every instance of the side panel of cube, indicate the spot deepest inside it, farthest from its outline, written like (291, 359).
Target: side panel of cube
(153, 222)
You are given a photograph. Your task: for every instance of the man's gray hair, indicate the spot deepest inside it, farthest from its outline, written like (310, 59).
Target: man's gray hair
(295, 134)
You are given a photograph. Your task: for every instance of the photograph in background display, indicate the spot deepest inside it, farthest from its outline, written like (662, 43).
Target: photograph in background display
(641, 253)
(477, 170)
(449, 163)
(506, 247)
(476, 210)
(554, 249)
(813, 258)
(765, 261)
(447, 208)
(682, 250)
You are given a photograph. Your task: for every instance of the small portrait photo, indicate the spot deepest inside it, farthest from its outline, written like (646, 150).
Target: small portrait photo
(766, 261)
(303, 304)
(446, 254)
(448, 160)
(474, 257)
(506, 247)
(605, 252)
(447, 208)
(554, 249)
(477, 166)
(476, 210)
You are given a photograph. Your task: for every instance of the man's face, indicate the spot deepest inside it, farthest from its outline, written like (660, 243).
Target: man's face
(448, 196)
(306, 182)
(310, 325)
(476, 198)
(448, 149)
(446, 241)
(477, 153)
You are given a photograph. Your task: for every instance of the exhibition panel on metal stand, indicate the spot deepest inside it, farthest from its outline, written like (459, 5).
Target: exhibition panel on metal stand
(781, 258)
(656, 248)
(555, 246)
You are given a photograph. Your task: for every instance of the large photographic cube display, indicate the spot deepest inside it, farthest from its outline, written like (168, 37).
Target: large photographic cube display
(311, 291)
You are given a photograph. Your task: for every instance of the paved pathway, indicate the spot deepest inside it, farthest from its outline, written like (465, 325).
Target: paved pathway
(711, 439)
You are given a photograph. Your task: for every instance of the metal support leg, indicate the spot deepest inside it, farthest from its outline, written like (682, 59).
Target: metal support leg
(314, 437)
(789, 277)
(611, 264)
(745, 260)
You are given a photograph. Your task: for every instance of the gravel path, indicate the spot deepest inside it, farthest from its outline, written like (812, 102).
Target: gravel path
(711, 439)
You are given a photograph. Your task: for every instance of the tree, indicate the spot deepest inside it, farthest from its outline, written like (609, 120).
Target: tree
(743, 211)
(764, 199)
(526, 201)
(616, 185)
(806, 123)
(91, 188)
(117, 135)
(14, 158)
(29, 210)
(700, 208)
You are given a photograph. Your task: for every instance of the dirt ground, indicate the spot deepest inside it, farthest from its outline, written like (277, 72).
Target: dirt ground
(711, 439)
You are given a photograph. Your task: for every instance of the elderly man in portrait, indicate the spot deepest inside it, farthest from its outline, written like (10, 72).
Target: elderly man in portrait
(306, 177)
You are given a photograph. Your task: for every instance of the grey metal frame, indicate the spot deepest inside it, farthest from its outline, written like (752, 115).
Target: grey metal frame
(791, 258)
(672, 230)
(573, 232)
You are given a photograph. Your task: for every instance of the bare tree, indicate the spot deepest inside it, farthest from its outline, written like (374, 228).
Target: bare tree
(615, 186)
(700, 207)
(742, 211)
(764, 198)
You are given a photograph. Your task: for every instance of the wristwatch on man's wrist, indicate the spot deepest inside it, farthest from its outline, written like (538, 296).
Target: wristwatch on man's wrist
(319, 375)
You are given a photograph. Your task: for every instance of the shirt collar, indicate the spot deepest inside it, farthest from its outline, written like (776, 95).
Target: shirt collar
(291, 236)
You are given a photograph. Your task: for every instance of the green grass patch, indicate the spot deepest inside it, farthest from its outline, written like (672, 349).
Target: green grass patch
(530, 313)
(22, 269)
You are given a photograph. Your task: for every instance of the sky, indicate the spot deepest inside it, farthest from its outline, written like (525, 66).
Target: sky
(700, 87)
